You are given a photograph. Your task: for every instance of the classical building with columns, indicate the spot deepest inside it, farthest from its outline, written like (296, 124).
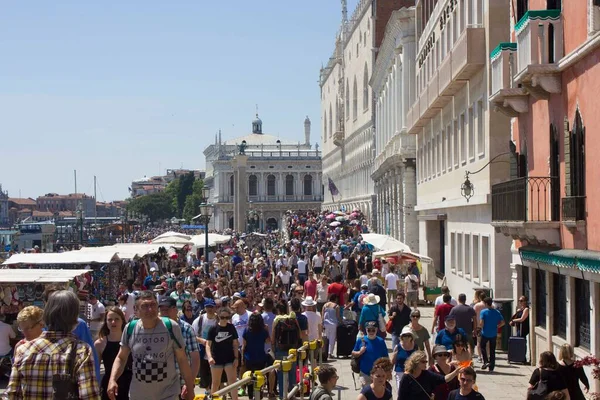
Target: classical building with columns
(255, 179)
(394, 167)
(462, 147)
(347, 107)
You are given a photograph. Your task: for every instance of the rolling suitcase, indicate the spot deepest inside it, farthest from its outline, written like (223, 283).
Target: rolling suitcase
(325, 348)
(346, 338)
(517, 350)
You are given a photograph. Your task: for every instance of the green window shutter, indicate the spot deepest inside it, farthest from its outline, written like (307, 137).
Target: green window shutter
(567, 147)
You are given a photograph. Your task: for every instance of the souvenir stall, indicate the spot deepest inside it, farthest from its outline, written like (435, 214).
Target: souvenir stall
(25, 287)
(106, 269)
(403, 258)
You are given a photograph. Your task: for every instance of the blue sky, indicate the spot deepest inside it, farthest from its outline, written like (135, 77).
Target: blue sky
(121, 89)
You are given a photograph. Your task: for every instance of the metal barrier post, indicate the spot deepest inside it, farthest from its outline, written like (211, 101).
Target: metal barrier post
(286, 367)
(301, 356)
(320, 348)
(312, 346)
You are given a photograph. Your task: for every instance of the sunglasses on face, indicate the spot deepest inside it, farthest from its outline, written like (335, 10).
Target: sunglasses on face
(371, 330)
(416, 316)
(224, 317)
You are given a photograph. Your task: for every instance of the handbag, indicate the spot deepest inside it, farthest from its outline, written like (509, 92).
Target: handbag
(389, 326)
(430, 396)
(65, 386)
(355, 361)
(540, 390)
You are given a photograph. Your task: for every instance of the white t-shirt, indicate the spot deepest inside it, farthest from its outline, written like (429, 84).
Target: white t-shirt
(6, 333)
(285, 277)
(97, 311)
(240, 322)
(314, 319)
(317, 261)
(408, 279)
(440, 300)
(322, 292)
(392, 281)
(302, 267)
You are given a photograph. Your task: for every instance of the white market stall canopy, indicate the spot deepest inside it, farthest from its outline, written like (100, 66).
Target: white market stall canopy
(384, 242)
(213, 240)
(40, 275)
(172, 240)
(68, 257)
(127, 251)
(417, 256)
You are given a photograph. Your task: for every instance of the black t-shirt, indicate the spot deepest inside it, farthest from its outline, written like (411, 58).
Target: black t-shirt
(367, 391)
(410, 389)
(380, 291)
(221, 338)
(455, 395)
(554, 379)
(401, 319)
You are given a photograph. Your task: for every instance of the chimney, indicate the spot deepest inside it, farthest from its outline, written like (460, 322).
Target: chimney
(307, 131)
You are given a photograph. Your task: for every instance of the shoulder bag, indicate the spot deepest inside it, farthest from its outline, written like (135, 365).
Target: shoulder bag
(430, 396)
(540, 390)
(65, 385)
(355, 361)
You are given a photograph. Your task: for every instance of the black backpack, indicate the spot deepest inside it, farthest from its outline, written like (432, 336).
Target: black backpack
(287, 334)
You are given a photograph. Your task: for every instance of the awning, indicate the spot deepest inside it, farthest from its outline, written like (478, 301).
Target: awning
(40, 275)
(128, 251)
(213, 240)
(68, 257)
(408, 254)
(384, 242)
(583, 260)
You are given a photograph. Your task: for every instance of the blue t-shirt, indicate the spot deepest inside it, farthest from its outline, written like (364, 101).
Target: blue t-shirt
(302, 321)
(491, 318)
(255, 345)
(446, 338)
(376, 348)
(401, 358)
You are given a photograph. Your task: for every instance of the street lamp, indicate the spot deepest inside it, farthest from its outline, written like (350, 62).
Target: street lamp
(467, 189)
(206, 211)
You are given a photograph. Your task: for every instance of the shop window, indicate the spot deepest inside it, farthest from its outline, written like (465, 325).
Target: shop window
(540, 298)
(559, 283)
(582, 314)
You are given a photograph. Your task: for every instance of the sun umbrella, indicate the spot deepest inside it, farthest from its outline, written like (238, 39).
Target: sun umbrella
(341, 219)
(335, 223)
(171, 234)
(354, 222)
(339, 213)
(330, 216)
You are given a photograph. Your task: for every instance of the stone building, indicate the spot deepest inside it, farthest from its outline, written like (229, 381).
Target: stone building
(256, 178)
(394, 165)
(347, 110)
(4, 220)
(462, 145)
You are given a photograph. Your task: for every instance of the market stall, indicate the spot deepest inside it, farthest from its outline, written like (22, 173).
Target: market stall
(25, 287)
(106, 268)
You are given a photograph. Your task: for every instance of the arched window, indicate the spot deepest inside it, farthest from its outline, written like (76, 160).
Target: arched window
(271, 185)
(289, 185)
(253, 185)
(347, 99)
(325, 127)
(355, 100)
(366, 89)
(330, 121)
(231, 184)
(308, 185)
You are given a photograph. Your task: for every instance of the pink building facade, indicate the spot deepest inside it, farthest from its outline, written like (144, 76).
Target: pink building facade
(547, 79)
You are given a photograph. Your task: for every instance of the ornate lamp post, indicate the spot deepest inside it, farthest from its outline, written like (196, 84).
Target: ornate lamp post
(206, 211)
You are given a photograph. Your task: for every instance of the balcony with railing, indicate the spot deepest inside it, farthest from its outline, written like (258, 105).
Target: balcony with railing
(504, 97)
(527, 209)
(539, 49)
(574, 213)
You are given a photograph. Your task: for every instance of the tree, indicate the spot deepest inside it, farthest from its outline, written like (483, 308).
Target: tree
(193, 201)
(179, 189)
(157, 206)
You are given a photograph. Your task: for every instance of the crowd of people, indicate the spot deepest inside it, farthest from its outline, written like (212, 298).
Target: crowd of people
(216, 317)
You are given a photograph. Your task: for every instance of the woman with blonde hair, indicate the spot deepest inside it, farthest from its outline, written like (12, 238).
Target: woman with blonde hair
(107, 346)
(572, 374)
(417, 382)
(31, 323)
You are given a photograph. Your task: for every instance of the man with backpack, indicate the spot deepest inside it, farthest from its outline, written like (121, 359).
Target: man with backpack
(201, 326)
(155, 344)
(328, 379)
(285, 336)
